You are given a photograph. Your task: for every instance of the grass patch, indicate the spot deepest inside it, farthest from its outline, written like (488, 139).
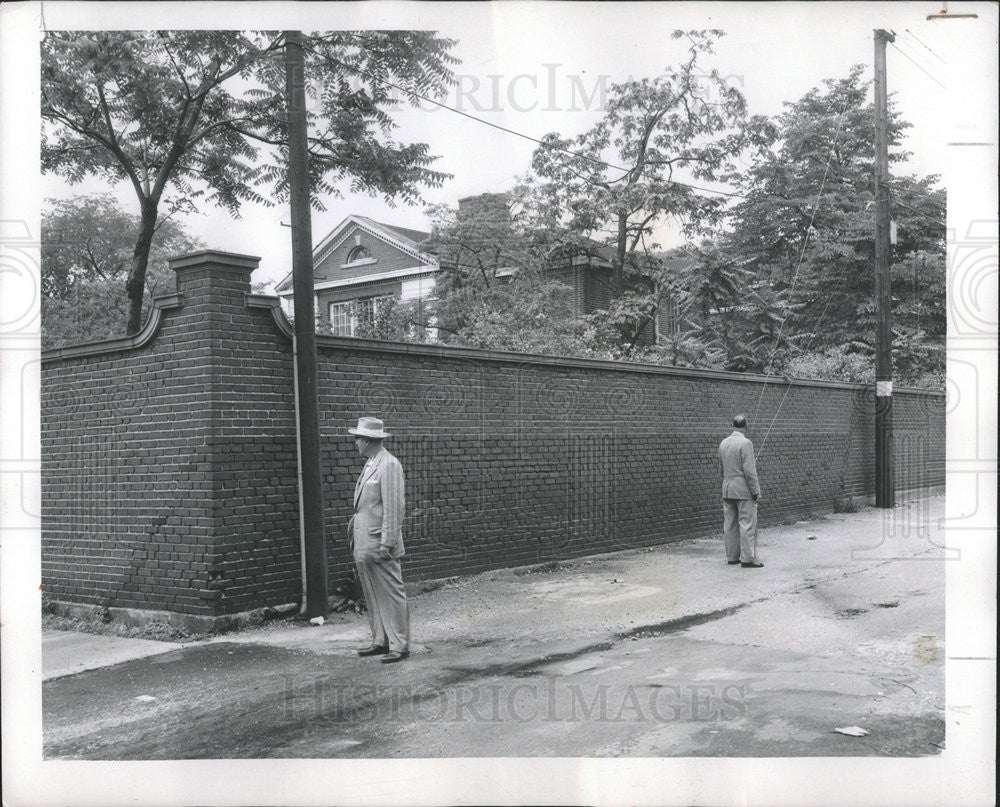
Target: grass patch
(157, 631)
(849, 504)
(541, 568)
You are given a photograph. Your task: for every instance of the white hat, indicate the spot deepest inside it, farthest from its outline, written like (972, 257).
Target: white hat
(370, 427)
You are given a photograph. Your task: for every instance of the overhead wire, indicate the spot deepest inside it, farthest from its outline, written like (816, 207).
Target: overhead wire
(732, 194)
(798, 266)
(825, 307)
(788, 386)
(936, 219)
(910, 189)
(916, 49)
(917, 65)
(606, 164)
(551, 146)
(928, 49)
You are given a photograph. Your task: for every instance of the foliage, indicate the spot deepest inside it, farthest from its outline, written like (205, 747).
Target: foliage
(499, 284)
(386, 320)
(613, 183)
(86, 252)
(182, 117)
(790, 277)
(837, 362)
(785, 285)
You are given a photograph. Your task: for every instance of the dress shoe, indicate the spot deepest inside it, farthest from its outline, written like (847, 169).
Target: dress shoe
(374, 650)
(732, 562)
(753, 565)
(394, 656)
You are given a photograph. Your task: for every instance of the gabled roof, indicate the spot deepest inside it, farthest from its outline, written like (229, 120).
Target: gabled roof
(415, 237)
(403, 238)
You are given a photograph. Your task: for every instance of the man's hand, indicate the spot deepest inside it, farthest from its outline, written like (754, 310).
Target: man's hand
(385, 553)
(755, 496)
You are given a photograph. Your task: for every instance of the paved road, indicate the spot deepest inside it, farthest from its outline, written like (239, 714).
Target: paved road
(664, 652)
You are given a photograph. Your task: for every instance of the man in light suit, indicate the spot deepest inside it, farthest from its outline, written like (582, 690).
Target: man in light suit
(376, 531)
(740, 491)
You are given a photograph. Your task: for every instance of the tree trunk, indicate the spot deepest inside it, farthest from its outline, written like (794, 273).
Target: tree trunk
(620, 254)
(136, 283)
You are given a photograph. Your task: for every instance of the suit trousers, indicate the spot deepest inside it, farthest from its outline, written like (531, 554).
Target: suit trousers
(740, 529)
(385, 598)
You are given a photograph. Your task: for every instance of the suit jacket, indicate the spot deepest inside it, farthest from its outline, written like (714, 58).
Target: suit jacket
(379, 504)
(738, 467)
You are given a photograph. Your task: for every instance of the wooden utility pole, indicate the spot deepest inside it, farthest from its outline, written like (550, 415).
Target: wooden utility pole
(885, 485)
(311, 491)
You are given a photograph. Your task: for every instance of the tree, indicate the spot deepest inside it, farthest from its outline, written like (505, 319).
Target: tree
(183, 115)
(87, 246)
(496, 287)
(614, 182)
(799, 245)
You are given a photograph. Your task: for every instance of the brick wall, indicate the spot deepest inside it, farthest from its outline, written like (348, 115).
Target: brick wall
(169, 465)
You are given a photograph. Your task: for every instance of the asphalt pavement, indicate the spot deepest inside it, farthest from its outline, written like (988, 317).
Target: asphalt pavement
(834, 648)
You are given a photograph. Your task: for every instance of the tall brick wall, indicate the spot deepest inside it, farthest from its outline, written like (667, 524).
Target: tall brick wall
(169, 470)
(516, 461)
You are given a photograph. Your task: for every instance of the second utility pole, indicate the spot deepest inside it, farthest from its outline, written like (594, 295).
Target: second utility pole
(885, 485)
(311, 492)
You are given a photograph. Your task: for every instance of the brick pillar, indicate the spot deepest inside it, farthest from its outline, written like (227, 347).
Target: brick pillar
(212, 281)
(254, 557)
(213, 286)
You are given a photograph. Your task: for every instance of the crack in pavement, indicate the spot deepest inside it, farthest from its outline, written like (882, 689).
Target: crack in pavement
(531, 667)
(682, 623)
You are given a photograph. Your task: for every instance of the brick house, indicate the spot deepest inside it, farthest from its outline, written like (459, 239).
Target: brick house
(363, 261)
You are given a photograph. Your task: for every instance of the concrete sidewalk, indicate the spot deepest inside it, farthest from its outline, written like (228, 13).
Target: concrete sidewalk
(69, 652)
(671, 582)
(660, 652)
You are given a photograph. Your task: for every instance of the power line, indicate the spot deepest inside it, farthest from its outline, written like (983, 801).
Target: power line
(936, 219)
(921, 69)
(595, 160)
(925, 46)
(788, 386)
(916, 50)
(798, 266)
(516, 133)
(896, 188)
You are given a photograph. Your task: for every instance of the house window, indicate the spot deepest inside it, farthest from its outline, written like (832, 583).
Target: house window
(359, 253)
(350, 316)
(340, 319)
(366, 310)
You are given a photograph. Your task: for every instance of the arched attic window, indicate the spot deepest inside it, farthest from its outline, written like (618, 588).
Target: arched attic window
(359, 253)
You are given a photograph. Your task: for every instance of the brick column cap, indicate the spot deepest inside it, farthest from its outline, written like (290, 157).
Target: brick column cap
(215, 258)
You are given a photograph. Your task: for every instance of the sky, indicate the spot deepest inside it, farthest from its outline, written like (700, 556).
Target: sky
(541, 67)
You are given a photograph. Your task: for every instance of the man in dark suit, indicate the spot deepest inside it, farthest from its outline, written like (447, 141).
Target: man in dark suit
(740, 492)
(376, 531)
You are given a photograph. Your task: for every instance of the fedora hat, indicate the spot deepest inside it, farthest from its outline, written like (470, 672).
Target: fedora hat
(370, 427)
